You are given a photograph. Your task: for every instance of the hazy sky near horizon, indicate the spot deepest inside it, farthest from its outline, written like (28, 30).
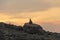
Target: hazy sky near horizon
(40, 11)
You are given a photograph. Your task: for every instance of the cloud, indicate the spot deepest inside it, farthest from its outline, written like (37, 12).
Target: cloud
(15, 6)
(49, 19)
(50, 15)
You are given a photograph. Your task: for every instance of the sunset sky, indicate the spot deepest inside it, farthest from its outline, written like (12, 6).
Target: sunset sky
(43, 12)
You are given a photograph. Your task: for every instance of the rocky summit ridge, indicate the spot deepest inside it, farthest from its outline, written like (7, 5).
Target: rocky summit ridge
(29, 31)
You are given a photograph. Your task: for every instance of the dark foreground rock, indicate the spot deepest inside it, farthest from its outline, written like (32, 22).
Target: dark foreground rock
(29, 31)
(10, 34)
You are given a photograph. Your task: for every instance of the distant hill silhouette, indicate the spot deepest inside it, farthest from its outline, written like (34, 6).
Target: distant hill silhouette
(29, 31)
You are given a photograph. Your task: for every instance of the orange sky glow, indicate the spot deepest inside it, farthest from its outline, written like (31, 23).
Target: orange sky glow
(43, 12)
(51, 15)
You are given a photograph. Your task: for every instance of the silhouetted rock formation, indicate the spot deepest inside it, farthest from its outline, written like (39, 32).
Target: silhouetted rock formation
(10, 26)
(30, 31)
(32, 28)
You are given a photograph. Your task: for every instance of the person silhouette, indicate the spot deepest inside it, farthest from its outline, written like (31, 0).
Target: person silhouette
(30, 21)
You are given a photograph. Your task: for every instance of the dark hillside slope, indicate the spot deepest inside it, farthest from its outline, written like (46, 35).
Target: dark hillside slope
(29, 31)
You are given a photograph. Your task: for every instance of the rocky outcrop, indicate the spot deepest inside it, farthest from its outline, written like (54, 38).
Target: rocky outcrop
(32, 28)
(30, 31)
